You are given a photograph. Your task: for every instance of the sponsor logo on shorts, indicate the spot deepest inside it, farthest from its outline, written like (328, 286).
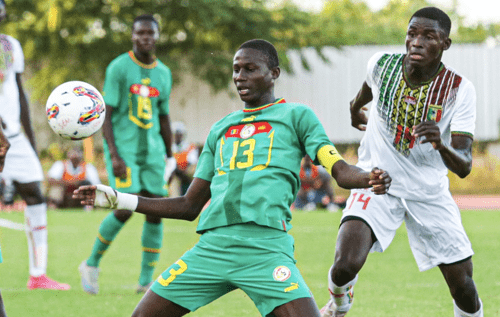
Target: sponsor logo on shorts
(281, 273)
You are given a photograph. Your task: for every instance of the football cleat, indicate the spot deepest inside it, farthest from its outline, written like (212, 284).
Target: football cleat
(329, 310)
(44, 282)
(90, 278)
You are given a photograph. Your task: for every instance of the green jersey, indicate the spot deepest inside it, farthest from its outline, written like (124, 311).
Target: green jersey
(252, 159)
(139, 94)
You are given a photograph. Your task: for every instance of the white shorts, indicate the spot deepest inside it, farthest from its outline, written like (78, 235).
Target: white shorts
(435, 229)
(21, 163)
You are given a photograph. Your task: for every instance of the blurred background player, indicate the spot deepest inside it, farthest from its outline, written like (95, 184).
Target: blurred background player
(22, 167)
(186, 155)
(4, 147)
(137, 138)
(67, 175)
(315, 188)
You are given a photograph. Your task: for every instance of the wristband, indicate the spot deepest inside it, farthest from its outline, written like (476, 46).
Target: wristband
(126, 201)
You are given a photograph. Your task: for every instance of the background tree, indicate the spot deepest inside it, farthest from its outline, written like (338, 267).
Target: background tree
(74, 39)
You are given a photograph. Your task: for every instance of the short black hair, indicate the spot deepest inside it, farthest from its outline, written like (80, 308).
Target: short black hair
(266, 48)
(435, 14)
(144, 17)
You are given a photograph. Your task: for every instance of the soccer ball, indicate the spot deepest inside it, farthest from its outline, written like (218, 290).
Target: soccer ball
(75, 110)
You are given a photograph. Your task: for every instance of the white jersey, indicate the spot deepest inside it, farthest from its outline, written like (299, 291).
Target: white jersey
(417, 170)
(11, 63)
(56, 171)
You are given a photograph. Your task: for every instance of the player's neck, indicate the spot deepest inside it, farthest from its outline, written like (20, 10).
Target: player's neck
(417, 76)
(145, 58)
(265, 100)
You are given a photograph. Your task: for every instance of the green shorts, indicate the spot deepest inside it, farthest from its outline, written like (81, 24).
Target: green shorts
(147, 175)
(258, 260)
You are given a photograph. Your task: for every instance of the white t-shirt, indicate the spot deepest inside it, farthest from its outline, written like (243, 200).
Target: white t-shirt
(57, 169)
(417, 170)
(193, 154)
(11, 63)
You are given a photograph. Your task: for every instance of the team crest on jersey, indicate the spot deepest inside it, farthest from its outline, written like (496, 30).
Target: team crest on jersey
(434, 113)
(144, 91)
(281, 273)
(247, 131)
(244, 131)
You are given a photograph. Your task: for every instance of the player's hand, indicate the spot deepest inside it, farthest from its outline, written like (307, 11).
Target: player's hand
(358, 117)
(380, 181)
(119, 167)
(97, 195)
(431, 133)
(169, 168)
(105, 197)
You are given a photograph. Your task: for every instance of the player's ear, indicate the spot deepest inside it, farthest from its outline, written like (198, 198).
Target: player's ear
(275, 72)
(447, 43)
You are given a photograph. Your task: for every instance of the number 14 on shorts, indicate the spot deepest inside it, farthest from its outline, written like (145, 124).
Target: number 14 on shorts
(359, 198)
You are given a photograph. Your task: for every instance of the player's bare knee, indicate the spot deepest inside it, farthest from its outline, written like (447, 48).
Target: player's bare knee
(31, 193)
(153, 219)
(343, 273)
(122, 215)
(463, 289)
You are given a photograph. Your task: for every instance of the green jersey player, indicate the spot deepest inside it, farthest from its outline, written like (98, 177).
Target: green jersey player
(137, 138)
(249, 170)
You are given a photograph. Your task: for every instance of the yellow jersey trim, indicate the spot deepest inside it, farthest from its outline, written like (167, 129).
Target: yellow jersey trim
(147, 66)
(282, 100)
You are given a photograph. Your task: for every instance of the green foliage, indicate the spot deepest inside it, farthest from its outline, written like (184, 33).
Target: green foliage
(76, 40)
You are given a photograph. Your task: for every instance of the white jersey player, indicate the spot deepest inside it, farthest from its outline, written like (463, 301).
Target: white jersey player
(22, 167)
(421, 125)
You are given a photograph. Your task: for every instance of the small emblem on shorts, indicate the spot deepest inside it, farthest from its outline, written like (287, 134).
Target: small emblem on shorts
(281, 273)
(293, 286)
(247, 131)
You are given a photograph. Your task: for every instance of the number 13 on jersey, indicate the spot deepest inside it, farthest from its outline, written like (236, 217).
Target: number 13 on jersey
(243, 145)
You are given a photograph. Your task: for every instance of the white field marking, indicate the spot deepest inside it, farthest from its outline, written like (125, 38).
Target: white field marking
(11, 224)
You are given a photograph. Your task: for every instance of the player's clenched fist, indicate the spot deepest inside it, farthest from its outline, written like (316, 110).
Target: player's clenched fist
(380, 181)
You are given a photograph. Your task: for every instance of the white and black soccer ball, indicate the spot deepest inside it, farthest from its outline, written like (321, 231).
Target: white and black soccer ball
(75, 110)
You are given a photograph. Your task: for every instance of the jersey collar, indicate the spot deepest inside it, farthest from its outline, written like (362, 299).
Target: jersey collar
(281, 100)
(147, 66)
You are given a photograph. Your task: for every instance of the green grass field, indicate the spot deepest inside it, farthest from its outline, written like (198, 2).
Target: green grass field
(389, 284)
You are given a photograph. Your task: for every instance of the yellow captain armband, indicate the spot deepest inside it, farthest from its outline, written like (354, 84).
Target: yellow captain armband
(328, 156)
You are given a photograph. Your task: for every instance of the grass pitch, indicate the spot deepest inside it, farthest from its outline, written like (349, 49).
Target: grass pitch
(389, 284)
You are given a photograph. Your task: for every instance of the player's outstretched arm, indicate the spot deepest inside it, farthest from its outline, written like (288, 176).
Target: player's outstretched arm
(350, 176)
(186, 207)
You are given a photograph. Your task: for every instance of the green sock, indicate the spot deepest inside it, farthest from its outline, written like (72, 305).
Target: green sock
(108, 230)
(152, 238)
